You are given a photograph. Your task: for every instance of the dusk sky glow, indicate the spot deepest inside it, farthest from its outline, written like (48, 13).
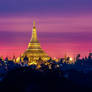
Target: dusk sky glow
(63, 26)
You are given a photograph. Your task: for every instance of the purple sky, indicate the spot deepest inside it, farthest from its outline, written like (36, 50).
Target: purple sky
(66, 24)
(45, 7)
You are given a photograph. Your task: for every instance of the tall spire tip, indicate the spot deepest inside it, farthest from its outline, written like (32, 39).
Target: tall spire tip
(34, 23)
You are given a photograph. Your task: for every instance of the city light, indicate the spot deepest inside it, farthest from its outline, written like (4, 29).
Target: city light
(71, 59)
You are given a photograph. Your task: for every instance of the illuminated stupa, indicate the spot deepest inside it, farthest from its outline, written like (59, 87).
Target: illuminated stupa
(34, 52)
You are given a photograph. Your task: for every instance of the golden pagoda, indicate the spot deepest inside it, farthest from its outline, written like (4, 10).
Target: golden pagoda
(34, 52)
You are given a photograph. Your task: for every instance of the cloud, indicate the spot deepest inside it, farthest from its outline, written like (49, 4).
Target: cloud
(10, 38)
(47, 24)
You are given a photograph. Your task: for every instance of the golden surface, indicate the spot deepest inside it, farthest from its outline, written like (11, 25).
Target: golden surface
(34, 50)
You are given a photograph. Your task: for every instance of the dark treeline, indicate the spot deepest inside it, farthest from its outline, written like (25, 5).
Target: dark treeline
(27, 79)
(52, 77)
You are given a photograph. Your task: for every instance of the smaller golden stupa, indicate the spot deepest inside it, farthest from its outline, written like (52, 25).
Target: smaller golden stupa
(34, 52)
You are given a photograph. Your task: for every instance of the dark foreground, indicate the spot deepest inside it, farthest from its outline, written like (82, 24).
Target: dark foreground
(30, 80)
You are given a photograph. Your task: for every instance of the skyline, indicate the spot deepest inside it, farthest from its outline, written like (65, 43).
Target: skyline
(70, 20)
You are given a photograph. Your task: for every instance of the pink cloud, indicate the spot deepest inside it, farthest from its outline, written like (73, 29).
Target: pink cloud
(47, 24)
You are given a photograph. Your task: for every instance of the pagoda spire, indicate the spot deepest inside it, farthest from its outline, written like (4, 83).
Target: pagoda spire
(34, 34)
(34, 50)
(33, 23)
